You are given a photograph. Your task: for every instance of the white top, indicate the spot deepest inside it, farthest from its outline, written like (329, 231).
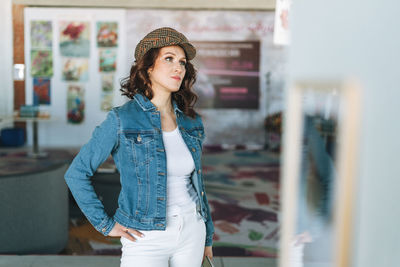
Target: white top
(181, 195)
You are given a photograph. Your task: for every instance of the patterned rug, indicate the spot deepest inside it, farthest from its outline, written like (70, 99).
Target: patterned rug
(243, 191)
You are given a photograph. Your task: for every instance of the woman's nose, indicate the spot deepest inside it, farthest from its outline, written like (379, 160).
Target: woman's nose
(178, 67)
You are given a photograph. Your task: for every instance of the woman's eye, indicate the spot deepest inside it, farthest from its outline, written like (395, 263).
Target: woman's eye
(169, 59)
(183, 63)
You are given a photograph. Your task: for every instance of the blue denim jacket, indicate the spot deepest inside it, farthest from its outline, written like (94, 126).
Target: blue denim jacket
(132, 134)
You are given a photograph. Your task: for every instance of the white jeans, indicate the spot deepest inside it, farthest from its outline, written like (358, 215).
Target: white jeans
(180, 245)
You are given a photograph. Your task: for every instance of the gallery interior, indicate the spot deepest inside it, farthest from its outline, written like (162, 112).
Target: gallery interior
(299, 105)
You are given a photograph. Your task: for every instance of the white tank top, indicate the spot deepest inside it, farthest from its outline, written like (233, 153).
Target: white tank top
(181, 195)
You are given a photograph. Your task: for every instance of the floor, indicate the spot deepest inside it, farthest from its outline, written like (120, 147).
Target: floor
(99, 261)
(109, 261)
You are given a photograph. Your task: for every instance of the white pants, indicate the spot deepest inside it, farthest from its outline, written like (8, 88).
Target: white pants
(180, 245)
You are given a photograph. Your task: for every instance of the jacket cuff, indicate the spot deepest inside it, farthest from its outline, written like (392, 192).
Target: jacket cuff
(106, 226)
(209, 240)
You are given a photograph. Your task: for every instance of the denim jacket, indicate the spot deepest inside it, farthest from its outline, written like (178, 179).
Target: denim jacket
(132, 134)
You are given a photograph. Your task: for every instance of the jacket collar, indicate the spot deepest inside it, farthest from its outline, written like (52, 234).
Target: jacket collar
(146, 104)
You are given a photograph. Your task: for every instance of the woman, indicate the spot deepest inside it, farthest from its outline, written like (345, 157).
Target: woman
(156, 141)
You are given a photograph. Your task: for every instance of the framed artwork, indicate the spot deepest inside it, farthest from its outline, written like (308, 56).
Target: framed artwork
(107, 34)
(75, 104)
(41, 63)
(41, 34)
(108, 60)
(75, 69)
(318, 173)
(75, 38)
(41, 91)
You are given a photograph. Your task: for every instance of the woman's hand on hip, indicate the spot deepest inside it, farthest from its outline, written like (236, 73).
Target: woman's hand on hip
(208, 252)
(119, 230)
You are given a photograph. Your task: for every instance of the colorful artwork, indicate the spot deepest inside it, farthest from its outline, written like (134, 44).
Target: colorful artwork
(107, 34)
(108, 59)
(107, 83)
(106, 101)
(74, 39)
(41, 34)
(41, 91)
(41, 63)
(75, 104)
(75, 69)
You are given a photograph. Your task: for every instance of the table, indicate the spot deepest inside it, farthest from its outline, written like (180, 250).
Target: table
(35, 138)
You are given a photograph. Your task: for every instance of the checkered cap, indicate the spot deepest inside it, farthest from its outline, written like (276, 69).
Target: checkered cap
(164, 37)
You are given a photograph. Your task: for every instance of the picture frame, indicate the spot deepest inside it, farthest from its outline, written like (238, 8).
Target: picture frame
(319, 169)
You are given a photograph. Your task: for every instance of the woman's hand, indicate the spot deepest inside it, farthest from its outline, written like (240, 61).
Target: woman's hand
(208, 252)
(119, 230)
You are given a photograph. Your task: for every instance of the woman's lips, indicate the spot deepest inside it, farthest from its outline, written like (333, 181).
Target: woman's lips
(176, 78)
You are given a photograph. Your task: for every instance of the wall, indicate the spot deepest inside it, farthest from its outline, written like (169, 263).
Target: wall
(340, 39)
(225, 126)
(6, 80)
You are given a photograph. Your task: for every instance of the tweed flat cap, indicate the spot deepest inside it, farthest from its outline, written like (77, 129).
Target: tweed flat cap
(164, 37)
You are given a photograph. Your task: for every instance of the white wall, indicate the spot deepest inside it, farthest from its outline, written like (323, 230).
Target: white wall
(340, 39)
(6, 54)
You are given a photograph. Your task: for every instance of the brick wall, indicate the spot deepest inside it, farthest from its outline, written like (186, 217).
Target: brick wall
(19, 58)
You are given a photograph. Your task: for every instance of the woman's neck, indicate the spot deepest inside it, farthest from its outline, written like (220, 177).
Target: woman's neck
(163, 102)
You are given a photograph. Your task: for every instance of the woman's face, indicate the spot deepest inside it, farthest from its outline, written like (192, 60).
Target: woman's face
(168, 69)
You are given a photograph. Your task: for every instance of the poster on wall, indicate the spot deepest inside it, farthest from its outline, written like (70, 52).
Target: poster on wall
(107, 94)
(41, 91)
(75, 69)
(74, 39)
(228, 74)
(107, 34)
(75, 104)
(108, 60)
(107, 83)
(41, 63)
(281, 29)
(41, 34)
(106, 103)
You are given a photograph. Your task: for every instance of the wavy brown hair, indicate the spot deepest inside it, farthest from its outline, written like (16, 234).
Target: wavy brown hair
(138, 82)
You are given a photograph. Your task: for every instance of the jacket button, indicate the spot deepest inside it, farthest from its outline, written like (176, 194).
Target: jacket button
(139, 138)
(104, 230)
(202, 193)
(199, 134)
(193, 149)
(199, 171)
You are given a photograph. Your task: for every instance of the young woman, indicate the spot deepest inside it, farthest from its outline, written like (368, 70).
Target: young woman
(156, 140)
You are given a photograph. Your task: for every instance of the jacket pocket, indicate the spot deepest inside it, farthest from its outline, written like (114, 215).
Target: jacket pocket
(197, 135)
(141, 145)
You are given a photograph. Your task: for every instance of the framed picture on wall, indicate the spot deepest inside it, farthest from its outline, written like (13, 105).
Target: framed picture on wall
(319, 173)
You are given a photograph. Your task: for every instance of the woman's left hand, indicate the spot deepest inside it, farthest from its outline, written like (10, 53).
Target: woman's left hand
(208, 252)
